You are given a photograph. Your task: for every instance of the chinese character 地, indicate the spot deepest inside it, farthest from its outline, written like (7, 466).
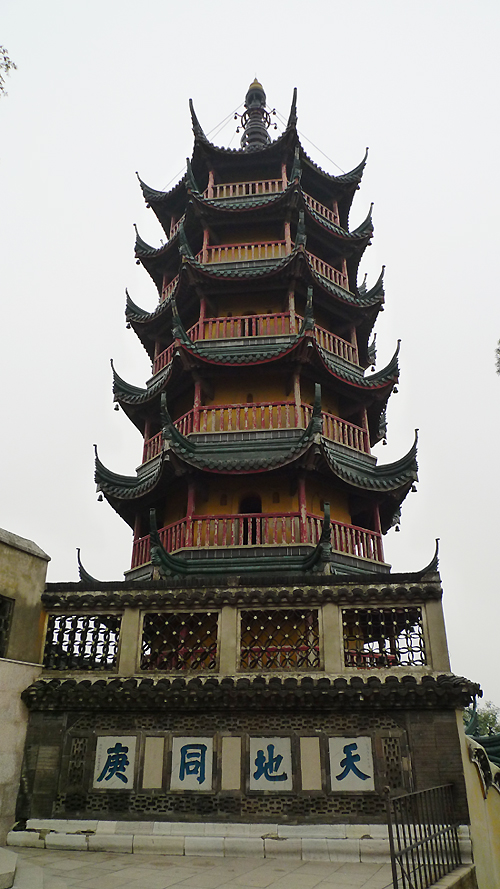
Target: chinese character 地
(349, 763)
(269, 767)
(116, 763)
(193, 758)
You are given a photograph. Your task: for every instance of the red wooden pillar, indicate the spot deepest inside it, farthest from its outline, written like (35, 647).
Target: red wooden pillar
(378, 529)
(173, 221)
(196, 406)
(190, 512)
(297, 397)
(210, 188)
(201, 322)
(291, 310)
(284, 180)
(302, 509)
(336, 211)
(344, 272)
(204, 252)
(288, 239)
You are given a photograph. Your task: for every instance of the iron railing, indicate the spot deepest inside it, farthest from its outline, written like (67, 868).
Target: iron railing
(423, 837)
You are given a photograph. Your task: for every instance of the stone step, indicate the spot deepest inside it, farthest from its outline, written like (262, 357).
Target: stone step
(308, 842)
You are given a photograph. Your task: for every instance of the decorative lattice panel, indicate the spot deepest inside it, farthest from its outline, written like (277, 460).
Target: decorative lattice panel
(6, 607)
(391, 751)
(279, 640)
(82, 642)
(383, 637)
(180, 641)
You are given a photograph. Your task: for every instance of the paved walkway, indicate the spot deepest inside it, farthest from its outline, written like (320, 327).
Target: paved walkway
(43, 869)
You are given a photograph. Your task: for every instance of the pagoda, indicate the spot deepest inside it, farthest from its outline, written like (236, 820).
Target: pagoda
(260, 665)
(258, 419)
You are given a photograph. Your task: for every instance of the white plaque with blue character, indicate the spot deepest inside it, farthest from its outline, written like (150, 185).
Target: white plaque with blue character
(192, 763)
(115, 762)
(351, 764)
(271, 764)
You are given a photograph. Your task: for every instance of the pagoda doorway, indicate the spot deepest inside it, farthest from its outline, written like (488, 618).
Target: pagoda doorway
(250, 509)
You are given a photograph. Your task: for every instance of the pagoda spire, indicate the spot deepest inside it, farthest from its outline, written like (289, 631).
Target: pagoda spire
(255, 119)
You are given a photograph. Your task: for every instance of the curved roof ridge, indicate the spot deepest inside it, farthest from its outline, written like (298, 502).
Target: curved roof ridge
(120, 386)
(378, 287)
(365, 227)
(197, 130)
(131, 308)
(353, 176)
(144, 249)
(391, 369)
(113, 483)
(153, 196)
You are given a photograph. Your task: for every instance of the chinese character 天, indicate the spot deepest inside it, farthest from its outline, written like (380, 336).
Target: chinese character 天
(269, 767)
(116, 764)
(193, 761)
(348, 764)
(351, 764)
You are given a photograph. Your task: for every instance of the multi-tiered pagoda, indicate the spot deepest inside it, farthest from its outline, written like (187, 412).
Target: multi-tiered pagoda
(258, 419)
(260, 662)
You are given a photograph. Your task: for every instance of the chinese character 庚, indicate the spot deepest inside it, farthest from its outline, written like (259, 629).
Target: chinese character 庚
(193, 761)
(270, 767)
(349, 763)
(116, 763)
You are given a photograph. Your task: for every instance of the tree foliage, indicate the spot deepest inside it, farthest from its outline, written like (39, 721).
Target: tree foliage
(497, 357)
(488, 719)
(6, 66)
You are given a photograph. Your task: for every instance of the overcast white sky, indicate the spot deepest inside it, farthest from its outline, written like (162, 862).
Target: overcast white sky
(102, 90)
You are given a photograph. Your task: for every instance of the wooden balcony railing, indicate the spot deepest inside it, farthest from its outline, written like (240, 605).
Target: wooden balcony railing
(331, 215)
(244, 189)
(259, 529)
(152, 447)
(333, 343)
(246, 325)
(269, 415)
(169, 288)
(328, 271)
(243, 252)
(174, 227)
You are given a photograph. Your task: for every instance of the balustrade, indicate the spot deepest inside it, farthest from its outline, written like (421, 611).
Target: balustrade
(246, 325)
(152, 447)
(242, 252)
(244, 189)
(174, 227)
(259, 529)
(168, 289)
(333, 343)
(331, 215)
(328, 271)
(270, 415)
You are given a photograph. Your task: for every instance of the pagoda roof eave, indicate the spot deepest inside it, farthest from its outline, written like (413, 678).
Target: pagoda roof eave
(389, 477)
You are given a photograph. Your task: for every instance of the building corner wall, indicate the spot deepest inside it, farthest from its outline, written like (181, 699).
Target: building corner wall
(484, 810)
(23, 567)
(15, 676)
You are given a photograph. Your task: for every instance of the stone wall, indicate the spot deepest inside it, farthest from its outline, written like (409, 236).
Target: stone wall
(14, 677)
(23, 566)
(62, 766)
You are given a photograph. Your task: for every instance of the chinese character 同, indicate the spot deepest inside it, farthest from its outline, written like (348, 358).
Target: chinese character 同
(349, 763)
(193, 758)
(116, 763)
(270, 767)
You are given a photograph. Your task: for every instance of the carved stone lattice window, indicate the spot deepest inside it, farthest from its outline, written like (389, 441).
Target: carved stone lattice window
(180, 641)
(6, 609)
(285, 639)
(383, 637)
(82, 641)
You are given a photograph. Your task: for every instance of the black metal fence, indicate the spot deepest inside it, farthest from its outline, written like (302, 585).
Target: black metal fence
(423, 837)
